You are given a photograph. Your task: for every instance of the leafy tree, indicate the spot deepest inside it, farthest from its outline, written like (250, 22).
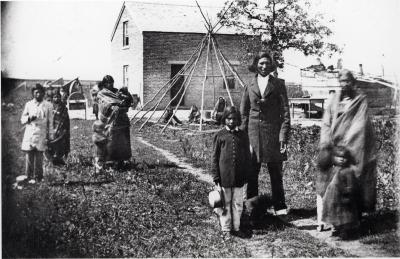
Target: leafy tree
(282, 24)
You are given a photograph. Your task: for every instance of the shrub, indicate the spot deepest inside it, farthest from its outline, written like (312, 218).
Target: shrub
(300, 168)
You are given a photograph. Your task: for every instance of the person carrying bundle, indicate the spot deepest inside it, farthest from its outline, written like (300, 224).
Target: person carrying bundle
(113, 124)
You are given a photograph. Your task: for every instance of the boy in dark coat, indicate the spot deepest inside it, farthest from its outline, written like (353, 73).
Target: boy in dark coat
(231, 162)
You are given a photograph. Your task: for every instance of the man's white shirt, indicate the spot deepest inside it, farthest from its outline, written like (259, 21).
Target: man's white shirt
(262, 82)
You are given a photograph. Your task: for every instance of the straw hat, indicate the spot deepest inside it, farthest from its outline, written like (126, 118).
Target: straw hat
(215, 199)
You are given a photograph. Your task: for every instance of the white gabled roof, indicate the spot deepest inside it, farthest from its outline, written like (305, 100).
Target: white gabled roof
(163, 17)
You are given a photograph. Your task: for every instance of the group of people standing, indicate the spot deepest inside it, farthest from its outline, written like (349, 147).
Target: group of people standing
(254, 135)
(47, 131)
(111, 129)
(259, 132)
(47, 128)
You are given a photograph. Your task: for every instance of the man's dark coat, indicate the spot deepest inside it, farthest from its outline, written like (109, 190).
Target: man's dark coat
(266, 118)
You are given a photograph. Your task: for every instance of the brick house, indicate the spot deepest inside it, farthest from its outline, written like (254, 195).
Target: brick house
(151, 42)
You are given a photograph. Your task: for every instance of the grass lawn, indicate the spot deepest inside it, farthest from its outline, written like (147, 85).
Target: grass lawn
(150, 210)
(379, 228)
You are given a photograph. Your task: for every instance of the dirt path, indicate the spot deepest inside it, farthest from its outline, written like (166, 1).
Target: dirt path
(186, 166)
(255, 245)
(354, 247)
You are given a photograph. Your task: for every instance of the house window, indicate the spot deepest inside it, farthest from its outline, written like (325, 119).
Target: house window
(125, 36)
(125, 78)
(231, 83)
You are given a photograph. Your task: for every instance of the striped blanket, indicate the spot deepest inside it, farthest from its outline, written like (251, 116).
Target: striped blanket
(113, 113)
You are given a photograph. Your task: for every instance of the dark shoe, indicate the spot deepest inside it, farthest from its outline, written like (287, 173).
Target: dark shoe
(349, 234)
(239, 234)
(335, 232)
(58, 161)
(322, 228)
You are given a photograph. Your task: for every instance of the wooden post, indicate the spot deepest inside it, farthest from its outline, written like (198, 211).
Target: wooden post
(222, 72)
(205, 19)
(229, 65)
(180, 100)
(222, 16)
(174, 78)
(204, 81)
(180, 89)
(159, 101)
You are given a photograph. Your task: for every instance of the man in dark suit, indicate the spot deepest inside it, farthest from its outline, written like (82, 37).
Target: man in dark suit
(266, 118)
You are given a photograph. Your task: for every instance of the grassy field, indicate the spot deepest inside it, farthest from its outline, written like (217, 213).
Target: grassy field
(379, 228)
(152, 209)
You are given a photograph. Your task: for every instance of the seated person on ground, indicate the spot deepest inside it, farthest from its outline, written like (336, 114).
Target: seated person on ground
(170, 113)
(218, 110)
(194, 116)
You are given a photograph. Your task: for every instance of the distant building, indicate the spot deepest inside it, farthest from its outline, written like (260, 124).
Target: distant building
(151, 42)
(380, 93)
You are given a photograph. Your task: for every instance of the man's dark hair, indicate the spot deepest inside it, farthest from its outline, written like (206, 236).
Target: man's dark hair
(38, 87)
(260, 55)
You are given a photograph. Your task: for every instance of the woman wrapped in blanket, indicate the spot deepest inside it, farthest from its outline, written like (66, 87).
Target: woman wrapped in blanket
(346, 124)
(59, 147)
(111, 131)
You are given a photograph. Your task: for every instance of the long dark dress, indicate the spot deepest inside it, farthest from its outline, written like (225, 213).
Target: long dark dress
(339, 189)
(348, 125)
(59, 147)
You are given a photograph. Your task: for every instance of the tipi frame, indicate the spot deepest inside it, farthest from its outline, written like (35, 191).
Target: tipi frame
(209, 43)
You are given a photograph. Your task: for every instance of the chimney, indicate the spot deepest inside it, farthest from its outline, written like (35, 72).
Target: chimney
(339, 64)
(361, 70)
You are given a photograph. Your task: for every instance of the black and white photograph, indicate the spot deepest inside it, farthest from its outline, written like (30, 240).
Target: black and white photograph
(200, 128)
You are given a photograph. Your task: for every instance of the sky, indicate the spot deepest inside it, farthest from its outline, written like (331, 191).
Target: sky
(43, 39)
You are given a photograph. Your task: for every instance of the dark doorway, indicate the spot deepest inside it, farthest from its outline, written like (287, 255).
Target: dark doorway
(175, 68)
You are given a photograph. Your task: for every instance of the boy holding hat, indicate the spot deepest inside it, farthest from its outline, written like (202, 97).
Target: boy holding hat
(231, 161)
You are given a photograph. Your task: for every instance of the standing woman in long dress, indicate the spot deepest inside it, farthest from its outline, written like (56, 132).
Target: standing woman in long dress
(59, 147)
(346, 123)
(266, 118)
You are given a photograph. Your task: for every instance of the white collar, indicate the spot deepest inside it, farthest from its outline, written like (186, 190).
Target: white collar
(265, 77)
(235, 129)
(37, 102)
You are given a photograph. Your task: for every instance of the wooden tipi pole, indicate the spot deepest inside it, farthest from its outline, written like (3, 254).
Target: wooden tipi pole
(222, 72)
(180, 89)
(172, 79)
(229, 65)
(159, 101)
(204, 81)
(180, 100)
